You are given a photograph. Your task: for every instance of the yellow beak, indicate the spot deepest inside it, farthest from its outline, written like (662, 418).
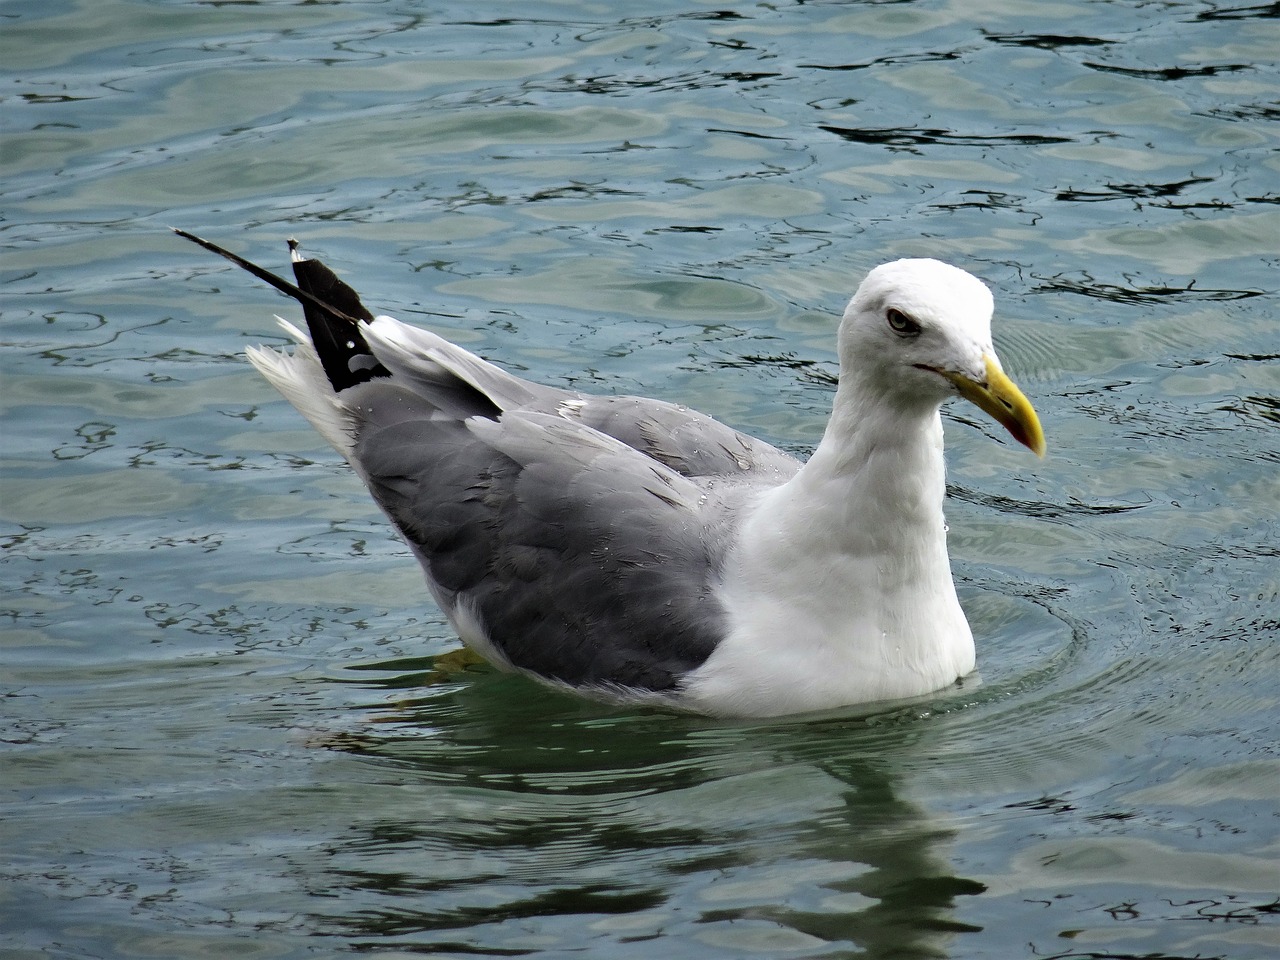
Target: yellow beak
(1000, 397)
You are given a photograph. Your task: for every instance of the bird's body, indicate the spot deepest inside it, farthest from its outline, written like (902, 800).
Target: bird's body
(635, 550)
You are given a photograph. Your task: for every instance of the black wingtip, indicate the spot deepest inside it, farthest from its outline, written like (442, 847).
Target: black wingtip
(344, 352)
(304, 297)
(333, 310)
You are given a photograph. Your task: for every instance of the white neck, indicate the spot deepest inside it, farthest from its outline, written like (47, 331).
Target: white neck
(879, 469)
(839, 588)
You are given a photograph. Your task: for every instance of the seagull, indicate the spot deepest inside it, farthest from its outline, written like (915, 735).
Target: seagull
(635, 551)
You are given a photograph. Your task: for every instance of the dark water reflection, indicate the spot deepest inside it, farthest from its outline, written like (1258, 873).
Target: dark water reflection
(788, 836)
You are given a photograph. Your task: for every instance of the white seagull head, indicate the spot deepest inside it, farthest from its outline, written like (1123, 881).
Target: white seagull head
(919, 331)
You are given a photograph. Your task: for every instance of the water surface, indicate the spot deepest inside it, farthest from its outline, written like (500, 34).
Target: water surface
(232, 724)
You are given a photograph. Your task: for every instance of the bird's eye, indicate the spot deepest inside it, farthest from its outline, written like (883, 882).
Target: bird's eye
(901, 324)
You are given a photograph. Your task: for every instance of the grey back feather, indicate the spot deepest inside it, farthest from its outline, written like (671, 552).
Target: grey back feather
(588, 533)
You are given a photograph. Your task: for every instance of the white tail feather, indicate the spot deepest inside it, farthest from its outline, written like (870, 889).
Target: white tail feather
(301, 379)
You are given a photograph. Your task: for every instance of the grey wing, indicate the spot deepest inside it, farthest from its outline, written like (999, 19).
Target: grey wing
(586, 562)
(691, 443)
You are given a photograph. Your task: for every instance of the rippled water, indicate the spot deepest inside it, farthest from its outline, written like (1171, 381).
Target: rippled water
(228, 727)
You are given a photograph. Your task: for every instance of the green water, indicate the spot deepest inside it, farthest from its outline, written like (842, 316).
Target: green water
(225, 731)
